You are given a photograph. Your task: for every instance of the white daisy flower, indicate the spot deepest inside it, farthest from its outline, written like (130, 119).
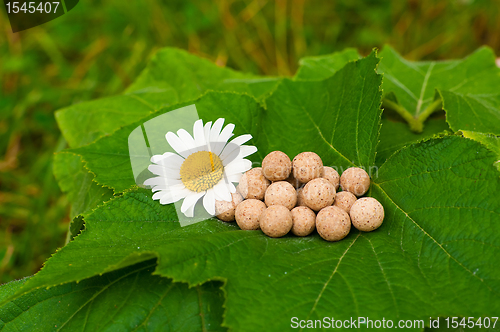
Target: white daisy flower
(205, 165)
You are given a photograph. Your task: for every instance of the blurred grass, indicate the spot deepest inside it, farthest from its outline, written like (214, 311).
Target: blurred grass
(99, 47)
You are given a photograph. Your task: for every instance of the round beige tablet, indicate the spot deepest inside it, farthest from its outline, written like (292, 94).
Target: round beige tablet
(318, 193)
(248, 212)
(293, 181)
(276, 221)
(253, 184)
(355, 180)
(276, 166)
(344, 200)
(331, 175)
(307, 166)
(367, 214)
(300, 197)
(333, 223)
(281, 193)
(304, 221)
(225, 210)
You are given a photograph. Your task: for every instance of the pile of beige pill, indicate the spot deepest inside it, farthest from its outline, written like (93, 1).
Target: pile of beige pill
(300, 195)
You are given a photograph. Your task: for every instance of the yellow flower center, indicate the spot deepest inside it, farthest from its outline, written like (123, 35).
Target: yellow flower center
(201, 171)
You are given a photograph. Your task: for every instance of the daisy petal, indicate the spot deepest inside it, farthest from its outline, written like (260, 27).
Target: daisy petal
(168, 186)
(215, 131)
(167, 173)
(235, 177)
(231, 153)
(209, 202)
(176, 144)
(190, 211)
(218, 145)
(173, 161)
(180, 194)
(159, 188)
(158, 158)
(238, 166)
(186, 138)
(228, 149)
(158, 195)
(157, 181)
(168, 198)
(161, 181)
(221, 190)
(206, 133)
(247, 150)
(191, 200)
(226, 133)
(199, 137)
(232, 188)
(241, 139)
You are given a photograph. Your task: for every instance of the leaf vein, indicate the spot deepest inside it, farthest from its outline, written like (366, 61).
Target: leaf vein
(434, 240)
(330, 278)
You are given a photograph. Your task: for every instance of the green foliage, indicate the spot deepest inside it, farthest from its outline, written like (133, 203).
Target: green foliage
(175, 76)
(492, 142)
(76, 181)
(468, 88)
(431, 257)
(129, 299)
(91, 53)
(323, 66)
(394, 135)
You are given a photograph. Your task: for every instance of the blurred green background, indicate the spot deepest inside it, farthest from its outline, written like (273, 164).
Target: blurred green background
(99, 47)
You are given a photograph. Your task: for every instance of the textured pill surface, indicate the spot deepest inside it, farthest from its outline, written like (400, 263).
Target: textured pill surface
(225, 210)
(276, 221)
(253, 184)
(355, 180)
(300, 197)
(307, 166)
(318, 193)
(345, 200)
(304, 220)
(293, 181)
(248, 212)
(331, 175)
(367, 214)
(332, 223)
(276, 166)
(281, 193)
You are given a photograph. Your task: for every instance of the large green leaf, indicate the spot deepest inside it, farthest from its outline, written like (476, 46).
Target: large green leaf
(76, 182)
(478, 111)
(473, 99)
(129, 299)
(492, 142)
(83, 123)
(324, 66)
(339, 115)
(432, 256)
(175, 76)
(396, 135)
(171, 77)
